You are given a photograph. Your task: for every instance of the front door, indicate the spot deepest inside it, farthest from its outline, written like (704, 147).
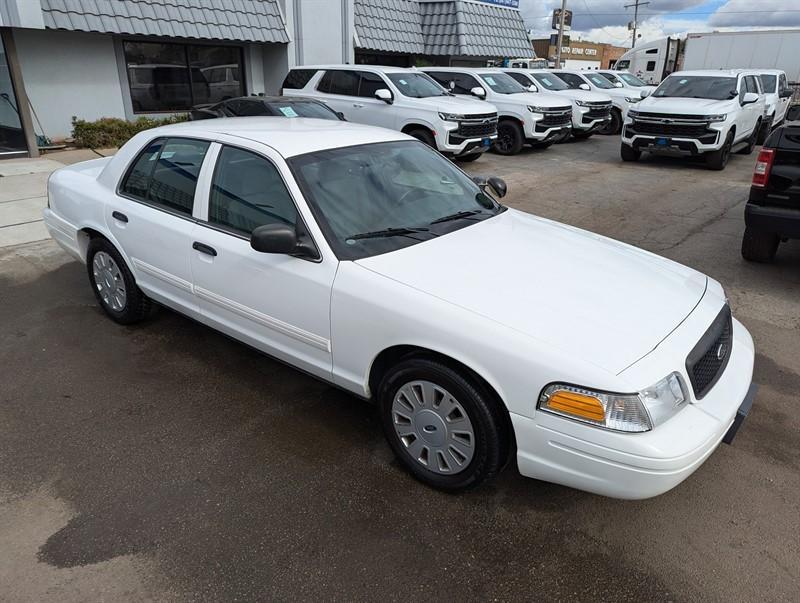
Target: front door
(277, 303)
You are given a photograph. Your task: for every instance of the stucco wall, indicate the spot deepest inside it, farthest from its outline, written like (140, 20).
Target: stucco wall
(325, 32)
(66, 74)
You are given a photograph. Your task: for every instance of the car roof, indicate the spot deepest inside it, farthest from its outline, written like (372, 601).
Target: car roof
(708, 72)
(275, 99)
(372, 68)
(289, 137)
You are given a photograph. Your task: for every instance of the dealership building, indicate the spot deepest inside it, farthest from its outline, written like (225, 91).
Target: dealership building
(126, 58)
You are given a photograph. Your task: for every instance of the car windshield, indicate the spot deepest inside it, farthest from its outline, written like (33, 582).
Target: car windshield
(611, 77)
(416, 85)
(769, 82)
(697, 86)
(302, 109)
(598, 80)
(631, 80)
(376, 198)
(551, 82)
(502, 83)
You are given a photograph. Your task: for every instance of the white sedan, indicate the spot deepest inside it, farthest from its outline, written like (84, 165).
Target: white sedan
(368, 260)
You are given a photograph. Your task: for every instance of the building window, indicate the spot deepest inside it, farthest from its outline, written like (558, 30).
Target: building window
(175, 77)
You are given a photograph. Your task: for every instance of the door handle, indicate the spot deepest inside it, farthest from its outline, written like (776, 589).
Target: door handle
(203, 248)
(358, 106)
(117, 215)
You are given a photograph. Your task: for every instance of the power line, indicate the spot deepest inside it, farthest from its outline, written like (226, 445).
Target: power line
(680, 13)
(635, 18)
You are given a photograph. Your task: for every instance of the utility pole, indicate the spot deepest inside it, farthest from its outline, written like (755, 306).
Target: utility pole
(636, 6)
(561, 32)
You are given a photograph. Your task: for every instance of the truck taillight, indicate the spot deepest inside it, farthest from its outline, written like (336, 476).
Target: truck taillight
(763, 167)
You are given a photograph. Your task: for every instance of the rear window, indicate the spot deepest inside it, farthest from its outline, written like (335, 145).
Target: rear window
(769, 82)
(298, 78)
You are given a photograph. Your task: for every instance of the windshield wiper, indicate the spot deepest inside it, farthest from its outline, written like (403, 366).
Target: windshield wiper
(459, 214)
(388, 232)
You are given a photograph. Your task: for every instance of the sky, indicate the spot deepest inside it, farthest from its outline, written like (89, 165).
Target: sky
(607, 20)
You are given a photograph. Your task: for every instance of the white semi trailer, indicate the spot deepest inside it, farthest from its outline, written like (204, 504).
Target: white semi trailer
(763, 49)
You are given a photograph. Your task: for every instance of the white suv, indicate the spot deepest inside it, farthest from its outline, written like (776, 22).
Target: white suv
(524, 117)
(625, 79)
(400, 99)
(622, 98)
(591, 111)
(711, 113)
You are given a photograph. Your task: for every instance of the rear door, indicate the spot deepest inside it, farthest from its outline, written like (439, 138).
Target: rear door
(338, 88)
(371, 110)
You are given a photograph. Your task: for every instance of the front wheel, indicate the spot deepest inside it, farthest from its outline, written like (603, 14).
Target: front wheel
(444, 429)
(113, 284)
(628, 153)
(510, 138)
(717, 160)
(614, 125)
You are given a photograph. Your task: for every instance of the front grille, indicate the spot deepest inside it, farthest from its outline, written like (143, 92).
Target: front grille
(679, 130)
(599, 112)
(487, 127)
(481, 116)
(680, 117)
(556, 118)
(707, 361)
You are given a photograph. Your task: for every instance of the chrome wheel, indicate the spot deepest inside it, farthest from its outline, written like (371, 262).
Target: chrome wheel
(433, 427)
(109, 281)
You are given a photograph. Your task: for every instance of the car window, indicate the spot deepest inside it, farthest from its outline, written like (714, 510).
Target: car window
(344, 82)
(551, 82)
(247, 191)
(599, 81)
(137, 180)
(302, 109)
(631, 80)
(298, 78)
(502, 84)
(610, 77)
(457, 83)
(768, 82)
(520, 78)
(244, 108)
(416, 85)
(624, 64)
(697, 86)
(572, 80)
(174, 177)
(370, 82)
(782, 82)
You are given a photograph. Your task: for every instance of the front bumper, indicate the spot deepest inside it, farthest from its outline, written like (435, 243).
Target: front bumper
(638, 465)
(782, 221)
(671, 144)
(582, 122)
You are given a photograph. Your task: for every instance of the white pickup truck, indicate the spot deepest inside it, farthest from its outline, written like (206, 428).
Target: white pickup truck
(710, 113)
(538, 120)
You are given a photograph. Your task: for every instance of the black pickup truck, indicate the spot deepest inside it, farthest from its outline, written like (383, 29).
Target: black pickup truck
(772, 213)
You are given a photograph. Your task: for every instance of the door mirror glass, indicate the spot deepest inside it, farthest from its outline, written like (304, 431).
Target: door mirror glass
(749, 98)
(498, 185)
(478, 91)
(585, 87)
(274, 238)
(384, 95)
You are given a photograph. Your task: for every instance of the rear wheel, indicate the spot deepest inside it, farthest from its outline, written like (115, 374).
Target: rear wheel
(113, 284)
(719, 159)
(510, 138)
(759, 246)
(423, 136)
(614, 125)
(628, 153)
(444, 429)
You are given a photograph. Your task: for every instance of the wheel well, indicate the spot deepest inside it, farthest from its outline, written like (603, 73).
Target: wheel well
(85, 237)
(408, 128)
(391, 356)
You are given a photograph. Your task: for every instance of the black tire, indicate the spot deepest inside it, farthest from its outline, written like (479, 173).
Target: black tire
(614, 125)
(510, 138)
(765, 130)
(491, 438)
(628, 153)
(719, 159)
(759, 246)
(423, 136)
(583, 135)
(137, 305)
(751, 142)
(468, 158)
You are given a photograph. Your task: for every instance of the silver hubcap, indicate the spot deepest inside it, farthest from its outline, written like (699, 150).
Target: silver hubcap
(433, 427)
(109, 282)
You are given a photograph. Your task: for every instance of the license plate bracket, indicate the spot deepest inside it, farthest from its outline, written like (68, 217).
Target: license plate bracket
(486, 142)
(662, 142)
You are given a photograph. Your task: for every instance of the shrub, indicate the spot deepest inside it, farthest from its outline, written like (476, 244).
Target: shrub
(114, 132)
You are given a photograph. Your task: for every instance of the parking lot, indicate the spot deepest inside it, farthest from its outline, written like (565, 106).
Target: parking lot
(167, 462)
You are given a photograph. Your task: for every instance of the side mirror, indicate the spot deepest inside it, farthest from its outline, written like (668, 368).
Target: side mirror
(585, 87)
(340, 115)
(617, 84)
(274, 238)
(532, 88)
(750, 98)
(786, 93)
(478, 91)
(498, 185)
(645, 93)
(384, 95)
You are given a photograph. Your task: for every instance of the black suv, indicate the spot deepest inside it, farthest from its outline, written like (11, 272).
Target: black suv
(280, 106)
(772, 214)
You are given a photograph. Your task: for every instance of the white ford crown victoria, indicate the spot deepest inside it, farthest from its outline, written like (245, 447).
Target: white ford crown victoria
(365, 258)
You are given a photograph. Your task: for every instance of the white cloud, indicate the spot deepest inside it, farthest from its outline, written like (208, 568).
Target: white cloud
(746, 14)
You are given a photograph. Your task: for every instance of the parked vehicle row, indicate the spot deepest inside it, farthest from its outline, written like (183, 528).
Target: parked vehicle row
(359, 255)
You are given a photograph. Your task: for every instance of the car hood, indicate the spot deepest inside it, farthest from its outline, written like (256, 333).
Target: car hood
(539, 99)
(584, 95)
(591, 296)
(684, 106)
(453, 104)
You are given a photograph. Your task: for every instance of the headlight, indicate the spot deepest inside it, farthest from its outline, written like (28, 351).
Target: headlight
(620, 412)
(716, 118)
(538, 109)
(451, 116)
(582, 103)
(633, 99)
